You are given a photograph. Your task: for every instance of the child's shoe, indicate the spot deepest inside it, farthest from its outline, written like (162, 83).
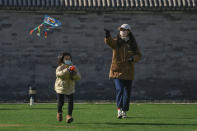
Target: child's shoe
(69, 119)
(59, 117)
(119, 113)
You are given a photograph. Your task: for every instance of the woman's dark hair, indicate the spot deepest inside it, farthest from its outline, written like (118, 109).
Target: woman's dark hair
(132, 42)
(61, 57)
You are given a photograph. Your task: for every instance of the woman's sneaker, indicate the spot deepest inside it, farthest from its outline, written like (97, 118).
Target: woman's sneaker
(124, 114)
(119, 114)
(59, 117)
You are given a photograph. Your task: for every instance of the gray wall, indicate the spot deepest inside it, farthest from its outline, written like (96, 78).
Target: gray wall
(167, 41)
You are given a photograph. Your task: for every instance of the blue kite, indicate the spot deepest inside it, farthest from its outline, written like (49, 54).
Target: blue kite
(49, 23)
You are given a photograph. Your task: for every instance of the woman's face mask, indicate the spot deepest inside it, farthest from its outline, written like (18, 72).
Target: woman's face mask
(124, 33)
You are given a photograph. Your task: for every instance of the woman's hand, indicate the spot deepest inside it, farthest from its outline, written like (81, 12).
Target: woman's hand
(107, 33)
(131, 59)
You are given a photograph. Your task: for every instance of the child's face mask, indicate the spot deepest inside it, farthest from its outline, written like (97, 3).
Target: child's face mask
(68, 62)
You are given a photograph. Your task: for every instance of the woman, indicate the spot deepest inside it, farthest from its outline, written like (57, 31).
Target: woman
(125, 54)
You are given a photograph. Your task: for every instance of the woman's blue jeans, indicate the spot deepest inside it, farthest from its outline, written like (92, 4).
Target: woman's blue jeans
(123, 93)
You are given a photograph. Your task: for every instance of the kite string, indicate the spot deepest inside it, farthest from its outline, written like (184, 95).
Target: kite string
(36, 28)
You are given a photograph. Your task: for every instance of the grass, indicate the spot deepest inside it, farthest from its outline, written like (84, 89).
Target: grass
(99, 117)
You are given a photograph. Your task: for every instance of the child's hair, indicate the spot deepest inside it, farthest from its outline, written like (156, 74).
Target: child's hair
(61, 57)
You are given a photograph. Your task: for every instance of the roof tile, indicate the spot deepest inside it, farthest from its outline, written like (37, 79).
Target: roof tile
(100, 4)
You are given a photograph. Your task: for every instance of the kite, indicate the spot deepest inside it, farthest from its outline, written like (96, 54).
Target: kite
(48, 24)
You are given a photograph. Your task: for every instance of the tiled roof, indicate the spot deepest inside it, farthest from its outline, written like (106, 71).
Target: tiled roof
(98, 4)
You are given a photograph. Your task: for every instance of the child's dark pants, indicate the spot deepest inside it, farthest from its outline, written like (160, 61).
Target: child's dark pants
(60, 100)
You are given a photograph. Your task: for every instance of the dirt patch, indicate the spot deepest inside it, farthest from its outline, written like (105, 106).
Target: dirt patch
(56, 126)
(11, 125)
(22, 125)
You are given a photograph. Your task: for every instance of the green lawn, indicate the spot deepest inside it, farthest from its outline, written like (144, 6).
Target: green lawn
(100, 117)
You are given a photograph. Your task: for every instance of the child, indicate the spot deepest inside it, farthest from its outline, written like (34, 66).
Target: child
(66, 75)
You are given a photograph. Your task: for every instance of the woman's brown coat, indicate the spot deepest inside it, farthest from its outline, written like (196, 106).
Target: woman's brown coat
(121, 68)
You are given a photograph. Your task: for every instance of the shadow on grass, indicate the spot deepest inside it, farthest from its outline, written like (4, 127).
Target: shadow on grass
(150, 124)
(160, 118)
(137, 124)
(45, 108)
(10, 109)
(35, 108)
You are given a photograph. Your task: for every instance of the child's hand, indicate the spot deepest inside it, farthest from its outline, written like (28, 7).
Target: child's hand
(71, 68)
